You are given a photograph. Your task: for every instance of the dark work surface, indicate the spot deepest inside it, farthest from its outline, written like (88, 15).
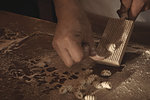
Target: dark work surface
(30, 69)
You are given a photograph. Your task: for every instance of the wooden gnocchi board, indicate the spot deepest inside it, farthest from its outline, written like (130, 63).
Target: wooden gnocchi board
(114, 41)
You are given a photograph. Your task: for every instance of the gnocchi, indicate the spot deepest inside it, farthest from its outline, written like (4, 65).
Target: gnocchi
(106, 85)
(89, 97)
(78, 95)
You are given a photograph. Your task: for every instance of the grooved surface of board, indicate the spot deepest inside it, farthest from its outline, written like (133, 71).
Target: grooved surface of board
(117, 33)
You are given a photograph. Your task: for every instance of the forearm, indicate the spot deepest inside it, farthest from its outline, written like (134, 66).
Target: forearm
(69, 11)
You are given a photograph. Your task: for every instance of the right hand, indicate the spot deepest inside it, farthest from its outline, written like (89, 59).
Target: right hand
(68, 40)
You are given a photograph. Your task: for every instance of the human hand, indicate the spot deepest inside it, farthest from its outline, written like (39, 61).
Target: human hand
(130, 9)
(73, 40)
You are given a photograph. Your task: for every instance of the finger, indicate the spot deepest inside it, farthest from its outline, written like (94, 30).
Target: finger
(136, 8)
(62, 52)
(126, 4)
(124, 8)
(122, 15)
(74, 49)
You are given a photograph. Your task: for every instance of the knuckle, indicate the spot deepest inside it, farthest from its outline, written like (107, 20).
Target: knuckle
(67, 38)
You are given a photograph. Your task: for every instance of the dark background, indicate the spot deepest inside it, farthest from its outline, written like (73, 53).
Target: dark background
(43, 9)
(24, 7)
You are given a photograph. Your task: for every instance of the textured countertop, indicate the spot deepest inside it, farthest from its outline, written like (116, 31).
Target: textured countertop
(30, 69)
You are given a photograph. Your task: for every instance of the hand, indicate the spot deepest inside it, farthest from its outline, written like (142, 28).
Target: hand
(130, 9)
(73, 40)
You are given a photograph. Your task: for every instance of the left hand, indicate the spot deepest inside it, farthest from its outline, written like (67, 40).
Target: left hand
(130, 9)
